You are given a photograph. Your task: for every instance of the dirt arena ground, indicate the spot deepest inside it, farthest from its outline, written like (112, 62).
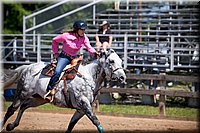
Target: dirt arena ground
(42, 121)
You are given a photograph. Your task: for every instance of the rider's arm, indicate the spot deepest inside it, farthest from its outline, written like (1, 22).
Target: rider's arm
(56, 40)
(88, 46)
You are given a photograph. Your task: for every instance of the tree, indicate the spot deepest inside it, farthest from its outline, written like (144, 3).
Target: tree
(13, 16)
(14, 12)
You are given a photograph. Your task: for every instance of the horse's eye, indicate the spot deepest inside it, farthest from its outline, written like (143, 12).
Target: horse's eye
(112, 61)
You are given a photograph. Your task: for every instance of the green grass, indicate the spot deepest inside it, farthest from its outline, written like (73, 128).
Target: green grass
(133, 109)
(44, 107)
(129, 109)
(51, 107)
(150, 110)
(182, 112)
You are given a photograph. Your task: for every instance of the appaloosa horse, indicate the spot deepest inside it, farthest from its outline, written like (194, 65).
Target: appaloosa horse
(81, 91)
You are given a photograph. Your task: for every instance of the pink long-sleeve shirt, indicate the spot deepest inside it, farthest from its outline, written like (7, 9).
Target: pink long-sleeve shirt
(71, 43)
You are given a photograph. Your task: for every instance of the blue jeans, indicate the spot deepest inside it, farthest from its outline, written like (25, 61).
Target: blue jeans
(62, 62)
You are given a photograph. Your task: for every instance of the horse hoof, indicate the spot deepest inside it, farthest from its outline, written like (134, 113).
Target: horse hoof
(9, 127)
(67, 131)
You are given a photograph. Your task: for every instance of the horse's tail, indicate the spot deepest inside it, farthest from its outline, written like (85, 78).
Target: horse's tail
(11, 76)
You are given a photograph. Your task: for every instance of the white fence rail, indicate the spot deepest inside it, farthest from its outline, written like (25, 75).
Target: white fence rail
(168, 55)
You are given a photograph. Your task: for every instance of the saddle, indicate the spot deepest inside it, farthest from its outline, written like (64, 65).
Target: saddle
(69, 72)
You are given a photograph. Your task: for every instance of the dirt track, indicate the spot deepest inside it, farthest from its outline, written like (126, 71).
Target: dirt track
(47, 121)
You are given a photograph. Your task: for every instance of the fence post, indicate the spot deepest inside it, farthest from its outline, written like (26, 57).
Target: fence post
(96, 105)
(24, 35)
(34, 47)
(38, 48)
(162, 97)
(172, 54)
(125, 50)
(15, 50)
(162, 105)
(194, 102)
(94, 12)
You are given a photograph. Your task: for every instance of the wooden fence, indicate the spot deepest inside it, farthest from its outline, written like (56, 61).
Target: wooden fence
(163, 92)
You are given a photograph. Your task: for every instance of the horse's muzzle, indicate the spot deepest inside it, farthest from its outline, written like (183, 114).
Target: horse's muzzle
(122, 79)
(119, 75)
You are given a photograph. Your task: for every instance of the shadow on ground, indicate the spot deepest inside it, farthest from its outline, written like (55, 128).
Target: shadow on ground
(135, 131)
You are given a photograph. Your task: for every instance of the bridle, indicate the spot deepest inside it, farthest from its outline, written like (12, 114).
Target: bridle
(109, 67)
(113, 71)
(117, 69)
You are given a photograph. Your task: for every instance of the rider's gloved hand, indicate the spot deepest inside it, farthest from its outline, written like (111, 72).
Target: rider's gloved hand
(96, 55)
(55, 56)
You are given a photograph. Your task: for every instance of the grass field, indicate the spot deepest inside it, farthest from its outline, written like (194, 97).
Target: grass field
(150, 110)
(133, 109)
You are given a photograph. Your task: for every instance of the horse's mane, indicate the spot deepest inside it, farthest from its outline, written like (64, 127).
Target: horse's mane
(89, 67)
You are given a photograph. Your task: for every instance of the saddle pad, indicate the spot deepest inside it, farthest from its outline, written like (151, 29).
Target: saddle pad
(36, 67)
(69, 73)
(48, 70)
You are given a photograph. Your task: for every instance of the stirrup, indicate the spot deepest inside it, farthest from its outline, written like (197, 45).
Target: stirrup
(50, 94)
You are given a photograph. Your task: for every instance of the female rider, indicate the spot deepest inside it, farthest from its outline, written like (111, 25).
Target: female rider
(72, 42)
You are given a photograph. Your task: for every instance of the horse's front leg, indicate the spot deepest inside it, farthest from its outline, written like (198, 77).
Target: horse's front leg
(91, 115)
(77, 116)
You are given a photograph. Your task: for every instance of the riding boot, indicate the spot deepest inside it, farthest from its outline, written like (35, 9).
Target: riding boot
(51, 94)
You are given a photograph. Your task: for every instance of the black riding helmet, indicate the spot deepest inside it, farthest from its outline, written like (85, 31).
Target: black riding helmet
(79, 24)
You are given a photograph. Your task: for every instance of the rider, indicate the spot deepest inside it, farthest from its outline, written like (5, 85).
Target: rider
(72, 42)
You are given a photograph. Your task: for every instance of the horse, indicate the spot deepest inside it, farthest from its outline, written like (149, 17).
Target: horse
(82, 90)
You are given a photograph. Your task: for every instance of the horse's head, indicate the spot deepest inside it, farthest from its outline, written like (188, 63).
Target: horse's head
(112, 66)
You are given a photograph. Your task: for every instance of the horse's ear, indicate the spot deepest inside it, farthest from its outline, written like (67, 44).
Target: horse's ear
(112, 50)
(102, 53)
(102, 56)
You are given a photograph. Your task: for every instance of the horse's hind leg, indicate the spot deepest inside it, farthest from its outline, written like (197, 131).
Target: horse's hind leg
(13, 107)
(17, 101)
(31, 102)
